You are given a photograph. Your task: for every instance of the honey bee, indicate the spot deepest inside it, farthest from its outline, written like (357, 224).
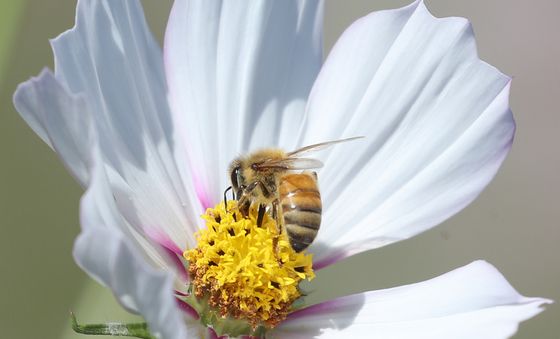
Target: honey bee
(280, 183)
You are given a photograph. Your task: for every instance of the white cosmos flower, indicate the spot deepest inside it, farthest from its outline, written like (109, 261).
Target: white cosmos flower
(150, 136)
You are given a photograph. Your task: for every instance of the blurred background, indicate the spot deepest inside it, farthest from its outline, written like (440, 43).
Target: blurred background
(514, 224)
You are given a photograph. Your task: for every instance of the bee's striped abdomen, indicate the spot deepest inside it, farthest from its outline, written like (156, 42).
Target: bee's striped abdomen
(301, 208)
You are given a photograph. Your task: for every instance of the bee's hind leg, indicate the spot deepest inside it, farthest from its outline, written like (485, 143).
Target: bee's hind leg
(276, 214)
(260, 216)
(279, 224)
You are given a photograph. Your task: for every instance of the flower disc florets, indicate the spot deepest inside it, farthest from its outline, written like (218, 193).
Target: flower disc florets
(244, 271)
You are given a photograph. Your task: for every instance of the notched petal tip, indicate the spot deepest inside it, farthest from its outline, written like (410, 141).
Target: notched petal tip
(60, 118)
(21, 100)
(468, 27)
(437, 121)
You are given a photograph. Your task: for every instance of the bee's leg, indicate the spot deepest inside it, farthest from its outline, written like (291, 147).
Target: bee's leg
(225, 197)
(260, 216)
(243, 204)
(276, 215)
(251, 187)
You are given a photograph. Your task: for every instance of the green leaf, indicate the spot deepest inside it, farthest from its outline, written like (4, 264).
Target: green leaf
(136, 330)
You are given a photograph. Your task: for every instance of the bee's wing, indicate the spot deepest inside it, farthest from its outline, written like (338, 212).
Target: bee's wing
(291, 164)
(317, 147)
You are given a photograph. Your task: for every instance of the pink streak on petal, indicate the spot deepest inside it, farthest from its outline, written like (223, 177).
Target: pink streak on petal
(174, 253)
(323, 307)
(183, 294)
(329, 260)
(201, 192)
(187, 309)
(213, 335)
(163, 240)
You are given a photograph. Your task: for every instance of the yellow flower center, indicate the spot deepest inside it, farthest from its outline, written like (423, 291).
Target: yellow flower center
(245, 271)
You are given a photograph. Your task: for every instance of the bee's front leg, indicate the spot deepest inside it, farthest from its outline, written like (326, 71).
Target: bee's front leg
(244, 204)
(246, 199)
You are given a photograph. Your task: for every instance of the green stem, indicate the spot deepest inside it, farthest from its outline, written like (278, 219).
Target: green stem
(136, 330)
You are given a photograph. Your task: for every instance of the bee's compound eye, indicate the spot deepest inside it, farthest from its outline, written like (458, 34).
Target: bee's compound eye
(235, 177)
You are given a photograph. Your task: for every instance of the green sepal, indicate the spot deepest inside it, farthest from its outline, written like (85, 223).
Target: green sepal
(223, 326)
(136, 330)
(230, 326)
(298, 304)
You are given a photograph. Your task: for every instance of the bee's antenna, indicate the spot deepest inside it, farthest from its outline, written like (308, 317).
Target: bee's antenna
(225, 197)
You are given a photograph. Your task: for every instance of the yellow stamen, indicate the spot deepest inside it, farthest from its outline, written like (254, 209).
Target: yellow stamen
(246, 272)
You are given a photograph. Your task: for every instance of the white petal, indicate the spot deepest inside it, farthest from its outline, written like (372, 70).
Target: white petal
(239, 74)
(64, 121)
(111, 59)
(102, 251)
(436, 120)
(474, 301)
(60, 118)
